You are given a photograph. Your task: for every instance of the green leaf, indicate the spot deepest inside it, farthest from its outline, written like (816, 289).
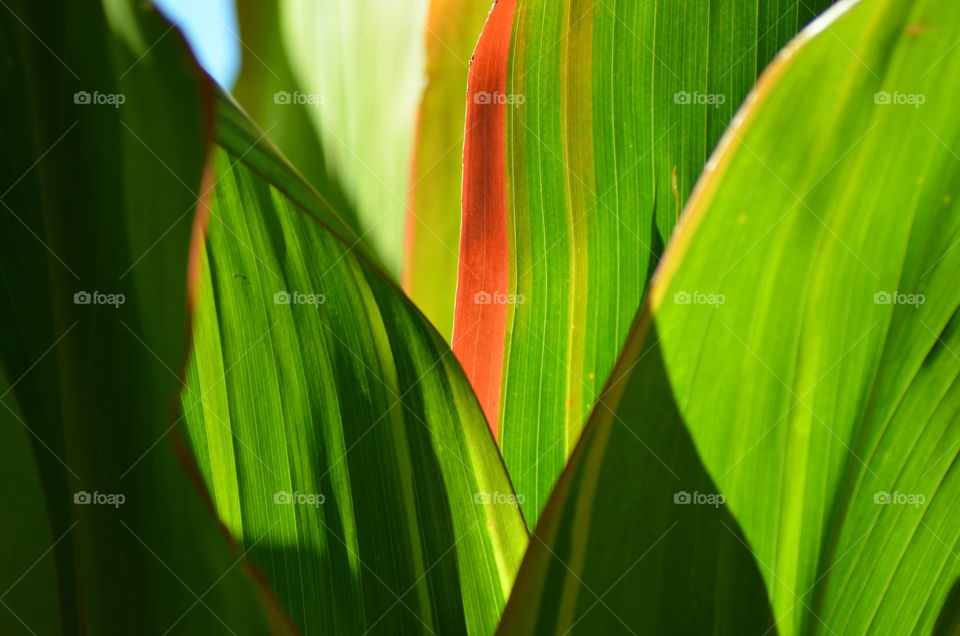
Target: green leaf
(840, 397)
(817, 385)
(431, 249)
(948, 623)
(28, 578)
(360, 63)
(615, 550)
(612, 109)
(104, 137)
(265, 82)
(828, 222)
(336, 431)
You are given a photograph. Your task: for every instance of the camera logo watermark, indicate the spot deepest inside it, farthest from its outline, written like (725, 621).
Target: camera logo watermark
(498, 498)
(898, 298)
(96, 498)
(296, 97)
(298, 298)
(98, 298)
(699, 298)
(684, 498)
(96, 98)
(699, 99)
(884, 498)
(899, 99)
(498, 298)
(483, 97)
(284, 498)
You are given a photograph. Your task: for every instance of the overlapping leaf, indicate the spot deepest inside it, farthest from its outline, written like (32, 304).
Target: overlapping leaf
(269, 92)
(479, 322)
(612, 109)
(805, 320)
(432, 241)
(837, 274)
(338, 435)
(636, 538)
(102, 149)
(360, 64)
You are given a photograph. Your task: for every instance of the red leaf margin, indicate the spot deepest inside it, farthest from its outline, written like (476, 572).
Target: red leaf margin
(479, 327)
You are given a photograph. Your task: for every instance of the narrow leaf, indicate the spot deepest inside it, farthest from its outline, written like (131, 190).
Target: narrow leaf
(431, 248)
(480, 322)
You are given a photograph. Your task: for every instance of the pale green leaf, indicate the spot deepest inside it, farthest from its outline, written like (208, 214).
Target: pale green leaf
(361, 64)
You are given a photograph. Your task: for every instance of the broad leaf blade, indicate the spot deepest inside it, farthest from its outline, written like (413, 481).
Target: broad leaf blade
(612, 109)
(338, 435)
(99, 197)
(819, 396)
(635, 538)
(827, 225)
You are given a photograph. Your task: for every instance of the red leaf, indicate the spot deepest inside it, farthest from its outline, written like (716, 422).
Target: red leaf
(480, 321)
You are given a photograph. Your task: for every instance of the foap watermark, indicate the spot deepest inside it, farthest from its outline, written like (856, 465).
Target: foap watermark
(496, 97)
(897, 98)
(884, 498)
(296, 97)
(700, 99)
(96, 98)
(98, 298)
(96, 498)
(695, 498)
(699, 298)
(284, 498)
(898, 298)
(500, 498)
(298, 298)
(498, 298)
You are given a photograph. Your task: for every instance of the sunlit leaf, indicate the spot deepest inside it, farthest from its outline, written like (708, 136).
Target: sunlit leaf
(611, 110)
(334, 427)
(360, 65)
(805, 320)
(432, 242)
(824, 233)
(266, 89)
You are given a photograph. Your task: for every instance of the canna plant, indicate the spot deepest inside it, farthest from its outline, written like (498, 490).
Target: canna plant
(679, 353)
